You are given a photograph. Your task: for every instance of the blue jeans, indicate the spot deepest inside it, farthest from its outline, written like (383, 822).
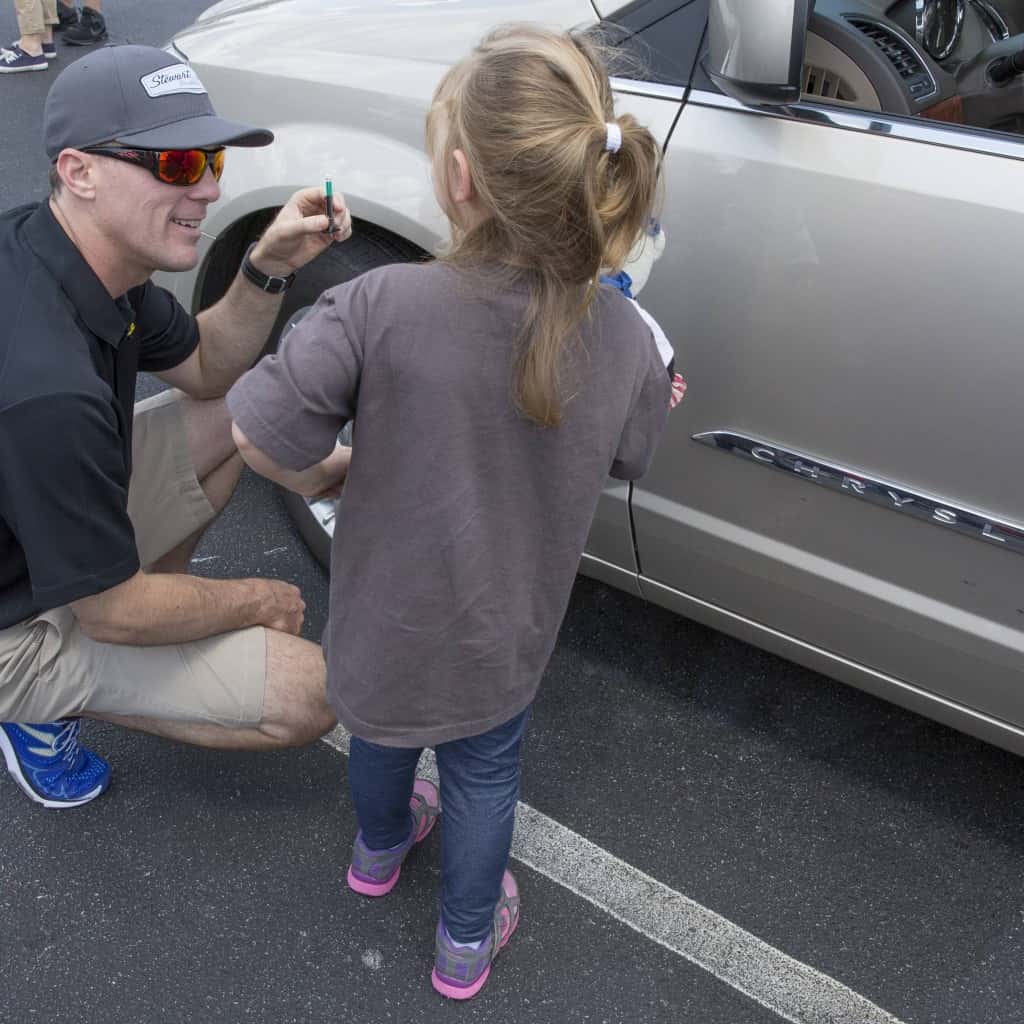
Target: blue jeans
(479, 791)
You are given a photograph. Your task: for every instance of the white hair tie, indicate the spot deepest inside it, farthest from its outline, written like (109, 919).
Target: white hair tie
(613, 139)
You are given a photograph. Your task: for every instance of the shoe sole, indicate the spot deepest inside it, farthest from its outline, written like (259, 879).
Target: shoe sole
(86, 42)
(356, 884)
(450, 991)
(15, 71)
(14, 767)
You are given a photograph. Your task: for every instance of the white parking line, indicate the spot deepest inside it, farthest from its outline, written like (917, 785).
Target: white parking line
(783, 985)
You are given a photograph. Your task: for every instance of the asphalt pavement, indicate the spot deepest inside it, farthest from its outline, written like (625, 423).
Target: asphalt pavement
(709, 835)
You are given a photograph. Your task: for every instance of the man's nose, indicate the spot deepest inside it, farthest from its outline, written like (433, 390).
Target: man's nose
(207, 188)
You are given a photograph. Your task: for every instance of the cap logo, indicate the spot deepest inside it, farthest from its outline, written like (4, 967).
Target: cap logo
(170, 80)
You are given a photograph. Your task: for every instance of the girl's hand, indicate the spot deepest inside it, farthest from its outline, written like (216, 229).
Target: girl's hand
(331, 474)
(678, 391)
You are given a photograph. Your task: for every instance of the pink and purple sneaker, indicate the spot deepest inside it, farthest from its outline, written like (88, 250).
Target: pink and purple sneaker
(460, 971)
(375, 872)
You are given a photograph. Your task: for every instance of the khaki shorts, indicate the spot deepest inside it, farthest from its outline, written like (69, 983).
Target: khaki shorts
(35, 15)
(50, 670)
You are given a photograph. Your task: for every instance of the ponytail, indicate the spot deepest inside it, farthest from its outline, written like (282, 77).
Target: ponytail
(628, 192)
(565, 197)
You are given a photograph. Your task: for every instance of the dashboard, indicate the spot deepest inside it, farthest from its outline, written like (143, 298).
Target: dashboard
(982, 22)
(929, 58)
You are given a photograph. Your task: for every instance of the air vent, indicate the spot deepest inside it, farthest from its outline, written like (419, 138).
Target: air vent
(900, 54)
(826, 85)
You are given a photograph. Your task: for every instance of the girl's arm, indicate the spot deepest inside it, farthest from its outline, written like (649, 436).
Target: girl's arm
(646, 421)
(322, 479)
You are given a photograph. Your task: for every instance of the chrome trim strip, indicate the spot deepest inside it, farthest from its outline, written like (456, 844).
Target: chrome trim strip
(608, 572)
(652, 89)
(926, 13)
(993, 20)
(919, 7)
(926, 507)
(934, 133)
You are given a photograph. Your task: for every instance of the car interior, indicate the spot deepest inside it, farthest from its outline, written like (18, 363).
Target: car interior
(947, 60)
(955, 61)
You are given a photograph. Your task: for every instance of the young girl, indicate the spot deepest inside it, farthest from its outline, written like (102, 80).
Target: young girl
(493, 392)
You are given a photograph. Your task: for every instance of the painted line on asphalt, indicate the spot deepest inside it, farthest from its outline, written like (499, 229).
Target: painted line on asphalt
(787, 987)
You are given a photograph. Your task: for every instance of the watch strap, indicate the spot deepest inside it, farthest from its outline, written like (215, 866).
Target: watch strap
(265, 282)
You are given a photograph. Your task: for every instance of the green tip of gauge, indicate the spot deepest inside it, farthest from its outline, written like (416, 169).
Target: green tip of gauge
(327, 186)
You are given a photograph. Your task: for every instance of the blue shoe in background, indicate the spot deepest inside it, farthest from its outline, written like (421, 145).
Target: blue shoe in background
(16, 59)
(50, 764)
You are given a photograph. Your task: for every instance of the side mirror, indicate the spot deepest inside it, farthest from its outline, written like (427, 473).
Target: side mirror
(756, 49)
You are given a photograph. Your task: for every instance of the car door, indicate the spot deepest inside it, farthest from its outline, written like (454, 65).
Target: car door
(842, 482)
(653, 45)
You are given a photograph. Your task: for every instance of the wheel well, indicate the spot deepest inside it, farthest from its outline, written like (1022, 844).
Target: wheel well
(225, 256)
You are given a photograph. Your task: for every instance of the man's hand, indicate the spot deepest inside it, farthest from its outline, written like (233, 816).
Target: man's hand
(299, 233)
(282, 606)
(234, 330)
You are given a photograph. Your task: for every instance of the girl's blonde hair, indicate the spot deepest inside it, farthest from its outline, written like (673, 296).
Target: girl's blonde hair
(529, 107)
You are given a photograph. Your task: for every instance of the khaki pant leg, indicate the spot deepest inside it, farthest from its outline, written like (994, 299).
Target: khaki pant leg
(30, 17)
(49, 669)
(165, 502)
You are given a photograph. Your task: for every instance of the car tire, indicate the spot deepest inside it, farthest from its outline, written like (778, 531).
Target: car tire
(367, 249)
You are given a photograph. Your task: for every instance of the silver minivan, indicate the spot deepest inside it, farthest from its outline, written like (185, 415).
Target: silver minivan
(843, 483)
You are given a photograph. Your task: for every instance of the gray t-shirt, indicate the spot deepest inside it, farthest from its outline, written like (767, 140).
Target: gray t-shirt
(461, 523)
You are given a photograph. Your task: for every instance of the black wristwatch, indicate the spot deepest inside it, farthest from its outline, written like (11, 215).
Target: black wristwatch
(265, 282)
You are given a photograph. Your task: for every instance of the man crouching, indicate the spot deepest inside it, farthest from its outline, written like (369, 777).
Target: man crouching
(102, 501)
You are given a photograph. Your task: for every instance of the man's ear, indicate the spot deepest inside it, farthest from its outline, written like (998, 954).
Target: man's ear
(463, 190)
(77, 173)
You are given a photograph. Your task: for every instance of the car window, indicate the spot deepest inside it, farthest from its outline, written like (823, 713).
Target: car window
(866, 55)
(655, 40)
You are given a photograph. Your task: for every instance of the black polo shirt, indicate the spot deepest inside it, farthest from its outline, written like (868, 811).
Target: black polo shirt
(69, 354)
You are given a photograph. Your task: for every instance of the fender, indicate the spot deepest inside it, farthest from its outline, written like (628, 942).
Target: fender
(391, 188)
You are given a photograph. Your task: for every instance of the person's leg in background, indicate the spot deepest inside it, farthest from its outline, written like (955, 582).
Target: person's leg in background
(395, 810)
(479, 792)
(91, 26)
(67, 15)
(26, 53)
(51, 19)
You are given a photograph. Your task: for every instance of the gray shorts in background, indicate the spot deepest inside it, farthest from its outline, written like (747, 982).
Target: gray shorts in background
(49, 669)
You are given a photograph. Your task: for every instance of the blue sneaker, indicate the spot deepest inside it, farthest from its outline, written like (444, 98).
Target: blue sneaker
(49, 49)
(50, 765)
(16, 59)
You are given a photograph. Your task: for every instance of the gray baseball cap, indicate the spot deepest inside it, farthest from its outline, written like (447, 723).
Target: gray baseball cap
(140, 96)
